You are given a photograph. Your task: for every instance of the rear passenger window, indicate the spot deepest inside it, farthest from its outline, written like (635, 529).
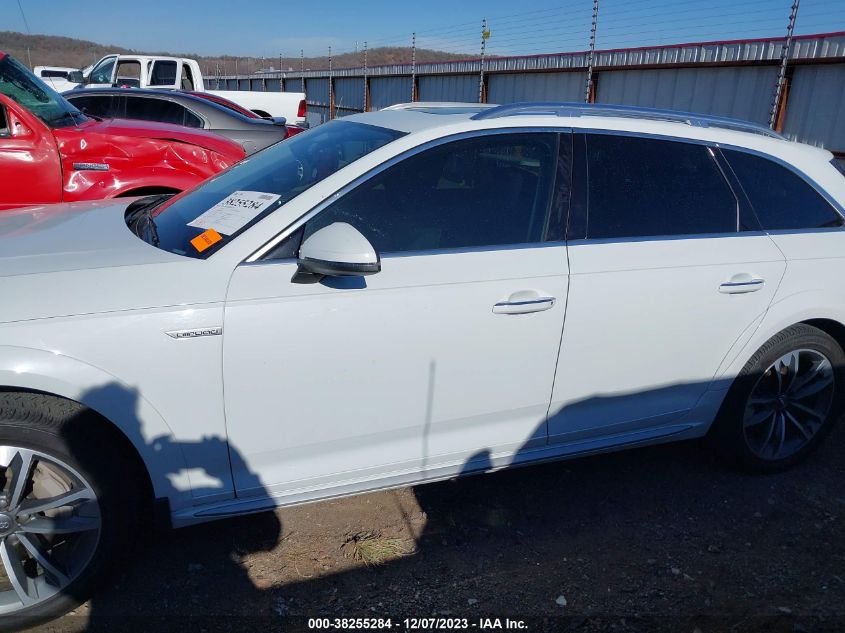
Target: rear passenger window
(640, 187)
(485, 191)
(780, 197)
(160, 110)
(163, 73)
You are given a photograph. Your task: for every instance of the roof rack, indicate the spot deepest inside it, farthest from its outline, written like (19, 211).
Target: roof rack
(632, 112)
(435, 105)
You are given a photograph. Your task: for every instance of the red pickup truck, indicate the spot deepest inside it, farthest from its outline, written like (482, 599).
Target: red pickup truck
(51, 152)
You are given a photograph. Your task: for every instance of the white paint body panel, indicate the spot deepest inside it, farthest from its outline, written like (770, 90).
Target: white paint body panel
(333, 389)
(398, 376)
(647, 327)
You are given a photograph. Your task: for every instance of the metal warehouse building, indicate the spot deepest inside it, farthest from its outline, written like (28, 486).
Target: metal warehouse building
(730, 78)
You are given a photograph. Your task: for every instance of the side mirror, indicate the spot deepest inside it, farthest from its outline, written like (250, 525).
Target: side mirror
(21, 122)
(76, 77)
(337, 250)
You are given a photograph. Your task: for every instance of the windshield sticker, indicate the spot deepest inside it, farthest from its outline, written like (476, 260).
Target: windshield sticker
(235, 211)
(207, 238)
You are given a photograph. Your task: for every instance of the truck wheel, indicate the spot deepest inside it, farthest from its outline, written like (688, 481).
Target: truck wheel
(68, 505)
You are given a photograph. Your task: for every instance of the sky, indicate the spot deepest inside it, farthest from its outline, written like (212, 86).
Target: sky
(269, 27)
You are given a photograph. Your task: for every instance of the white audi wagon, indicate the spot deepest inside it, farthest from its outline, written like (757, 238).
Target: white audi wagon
(405, 296)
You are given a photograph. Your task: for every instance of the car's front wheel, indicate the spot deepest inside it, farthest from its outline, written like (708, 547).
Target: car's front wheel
(68, 503)
(784, 400)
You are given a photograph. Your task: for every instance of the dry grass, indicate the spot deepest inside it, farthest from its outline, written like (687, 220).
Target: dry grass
(373, 549)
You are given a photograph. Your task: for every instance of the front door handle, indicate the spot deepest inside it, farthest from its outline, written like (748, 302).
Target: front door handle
(524, 302)
(740, 284)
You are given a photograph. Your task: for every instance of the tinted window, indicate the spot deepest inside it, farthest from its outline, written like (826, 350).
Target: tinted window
(477, 192)
(283, 170)
(642, 187)
(4, 124)
(781, 198)
(192, 120)
(164, 73)
(151, 109)
(98, 105)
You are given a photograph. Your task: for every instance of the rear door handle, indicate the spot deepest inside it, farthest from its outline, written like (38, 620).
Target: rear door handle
(740, 284)
(524, 302)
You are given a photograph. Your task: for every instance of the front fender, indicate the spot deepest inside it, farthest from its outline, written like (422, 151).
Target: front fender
(122, 405)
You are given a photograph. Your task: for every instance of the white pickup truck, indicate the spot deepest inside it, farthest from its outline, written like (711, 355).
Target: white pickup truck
(176, 73)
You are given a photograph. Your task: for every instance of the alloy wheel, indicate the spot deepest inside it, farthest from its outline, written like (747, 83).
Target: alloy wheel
(789, 404)
(50, 527)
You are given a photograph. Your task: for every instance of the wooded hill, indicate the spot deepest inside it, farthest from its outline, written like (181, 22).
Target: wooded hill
(52, 50)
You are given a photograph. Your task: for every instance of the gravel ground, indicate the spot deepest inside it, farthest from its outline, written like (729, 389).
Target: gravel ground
(665, 538)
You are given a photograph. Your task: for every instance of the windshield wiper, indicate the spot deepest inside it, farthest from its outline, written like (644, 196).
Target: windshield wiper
(67, 115)
(139, 217)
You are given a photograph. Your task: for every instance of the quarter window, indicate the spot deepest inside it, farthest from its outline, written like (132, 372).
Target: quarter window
(485, 191)
(781, 199)
(641, 187)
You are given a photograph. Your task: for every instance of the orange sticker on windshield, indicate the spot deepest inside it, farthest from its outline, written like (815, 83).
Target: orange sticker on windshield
(207, 238)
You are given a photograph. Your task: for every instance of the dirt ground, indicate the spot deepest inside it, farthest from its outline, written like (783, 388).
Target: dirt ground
(665, 538)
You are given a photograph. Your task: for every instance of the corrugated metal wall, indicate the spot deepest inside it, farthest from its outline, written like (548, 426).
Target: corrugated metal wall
(508, 88)
(256, 85)
(349, 95)
(317, 91)
(738, 92)
(315, 115)
(385, 91)
(816, 107)
(449, 88)
(274, 85)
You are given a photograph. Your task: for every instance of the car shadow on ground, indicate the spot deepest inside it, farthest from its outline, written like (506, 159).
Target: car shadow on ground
(661, 538)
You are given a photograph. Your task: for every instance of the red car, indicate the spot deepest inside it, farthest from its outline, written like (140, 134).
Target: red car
(51, 152)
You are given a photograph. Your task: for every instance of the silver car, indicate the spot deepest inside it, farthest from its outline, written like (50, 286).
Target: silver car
(168, 106)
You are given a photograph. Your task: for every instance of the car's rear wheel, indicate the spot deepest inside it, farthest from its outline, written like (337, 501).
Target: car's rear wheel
(68, 502)
(784, 400)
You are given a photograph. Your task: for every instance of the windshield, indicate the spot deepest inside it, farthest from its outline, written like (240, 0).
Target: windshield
(202, 221)
(33, 94)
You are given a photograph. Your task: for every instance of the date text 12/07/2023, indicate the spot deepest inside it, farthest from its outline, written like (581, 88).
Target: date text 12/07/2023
(417, 624)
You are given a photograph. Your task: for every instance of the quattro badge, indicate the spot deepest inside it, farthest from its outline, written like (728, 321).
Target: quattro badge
(195, 333)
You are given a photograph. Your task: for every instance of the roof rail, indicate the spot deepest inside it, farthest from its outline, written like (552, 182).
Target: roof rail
(632, 112)
(434, 105)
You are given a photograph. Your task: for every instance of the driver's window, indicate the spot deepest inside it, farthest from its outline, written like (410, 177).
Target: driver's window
(485, 191)
(102, 73)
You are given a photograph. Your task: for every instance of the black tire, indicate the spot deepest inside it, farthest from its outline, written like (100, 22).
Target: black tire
(728, 434)
(70, 433)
